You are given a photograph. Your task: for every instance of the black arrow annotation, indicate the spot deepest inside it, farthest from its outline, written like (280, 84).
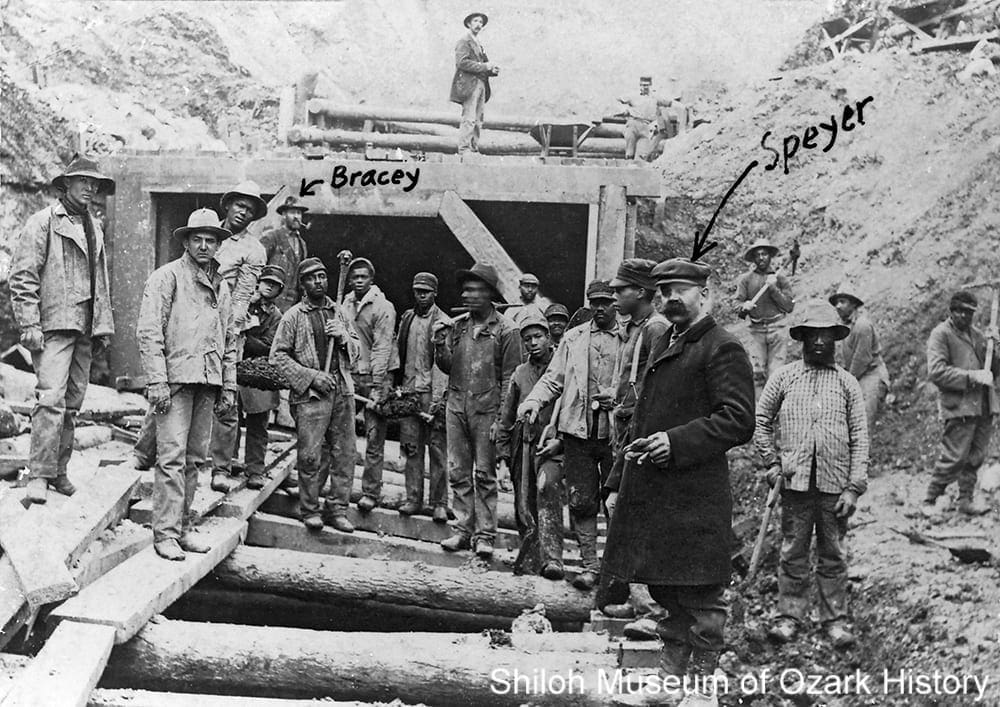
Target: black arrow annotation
(307, 189)
(701, 244)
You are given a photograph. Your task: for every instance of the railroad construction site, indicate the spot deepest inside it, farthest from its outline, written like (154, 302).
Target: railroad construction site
(395, 353)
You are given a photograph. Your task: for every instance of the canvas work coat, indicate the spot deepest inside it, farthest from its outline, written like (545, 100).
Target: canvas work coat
(285, 249)
(50, 276)
(374, 318)
(470, 66)
(673, 525)
(951, 355)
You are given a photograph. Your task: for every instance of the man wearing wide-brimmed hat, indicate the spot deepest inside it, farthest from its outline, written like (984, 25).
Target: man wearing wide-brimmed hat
(285, 247)
(187, 343)
(470, 86)
(60, 296)
(859, 353)
(823, 464)
(479, 352)
(767, 315)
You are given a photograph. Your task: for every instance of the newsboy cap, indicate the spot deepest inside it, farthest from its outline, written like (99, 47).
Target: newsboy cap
(681, 270)
(310, 265)
(600, 289)
(557, 310)
(534, 320)
(528, 279)
(425, 281)
(635, 271)
(273, 273)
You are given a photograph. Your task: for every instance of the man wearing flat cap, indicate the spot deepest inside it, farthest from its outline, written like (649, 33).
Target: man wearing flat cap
(671, 503)
(417, 373)
(187, 343)
(966, 383)
(61, 302)
(823, 468)
(765, 297)
(582, 372)
(470, 87)
(557, 317)
(531, 305)
(479, 353)
(285, 247)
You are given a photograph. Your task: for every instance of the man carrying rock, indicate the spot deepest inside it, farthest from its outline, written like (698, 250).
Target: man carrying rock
(767, 313)
(956, 364)
(187, 342)
(321, 398)
(479, 353)
(61, 302)
(470, 87)
(671, 505)
(582, 371)
(284, 247)
(374, 319)
(823, 463)
(417, 373)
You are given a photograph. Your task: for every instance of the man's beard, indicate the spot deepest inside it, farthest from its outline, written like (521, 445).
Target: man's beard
(818, 358)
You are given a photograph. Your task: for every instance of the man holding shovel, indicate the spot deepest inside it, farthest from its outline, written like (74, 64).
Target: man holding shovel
(322, 395)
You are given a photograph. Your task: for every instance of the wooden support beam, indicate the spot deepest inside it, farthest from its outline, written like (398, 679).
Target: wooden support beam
(39, 562)
(309, 574)
(117, 599)
(611, 231)
(110, 550)
(480, 243)
(65, 670)
(430, 668)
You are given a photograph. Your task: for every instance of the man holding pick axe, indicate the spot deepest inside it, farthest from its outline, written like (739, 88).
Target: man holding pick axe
(322, 395)
(764, 296)
(961, 362)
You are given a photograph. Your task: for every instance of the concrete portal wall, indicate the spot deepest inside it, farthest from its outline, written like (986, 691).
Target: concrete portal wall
(148, 187)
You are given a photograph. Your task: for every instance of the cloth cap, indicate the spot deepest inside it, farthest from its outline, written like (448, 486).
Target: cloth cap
(273, 273)
(251, 191)
(468, 18)
(681, 270)
(83, 167)
(528, 279)
(310, 265)
(600, 289)
(819, 314)
(204, 220)
(425, 281)
(361, 262)
(483, 273)
(846, 290)
(760, 243)
(635, 271)
(292, 202)
(556, 310)
(534, 320)
(963, 299)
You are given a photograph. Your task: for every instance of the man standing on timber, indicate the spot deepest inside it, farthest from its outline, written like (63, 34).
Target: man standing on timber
(537, 484)
(643, 112)
(417, 372)
(187, 342)
(557, 317)
(824, 463)
(285, 248)
(635, 289)
(374, 319)
(479, 352)
(767, 313)
(671, 504)
(860, 352)
(470, 87)
(582, 371)
(241, 258)
(957, 365)
(530, 305)
(322, 400)
(60, 297)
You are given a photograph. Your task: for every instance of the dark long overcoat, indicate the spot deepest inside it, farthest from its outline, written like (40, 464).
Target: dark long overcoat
(672, 525)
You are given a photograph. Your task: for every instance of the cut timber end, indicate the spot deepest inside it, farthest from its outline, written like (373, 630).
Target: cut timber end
(66, 669)
(39, 563)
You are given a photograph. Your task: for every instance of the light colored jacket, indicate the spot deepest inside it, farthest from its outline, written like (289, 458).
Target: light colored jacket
(951, 356)
(294, 350)
(50, 274)
(185, 330)
(241, 259)
(375, 321)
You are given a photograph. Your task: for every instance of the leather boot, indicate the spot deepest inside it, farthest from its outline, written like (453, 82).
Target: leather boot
(455, 542)
(972, 507)
(341, 523)
(674, 657)
(256, 482)
(440, 514)
(169, 550)
(586, 538)
(410, 508)
(642, 629)
(220, 481)
(553, 570)
(62, 484)
(37, 491)
(366, 504)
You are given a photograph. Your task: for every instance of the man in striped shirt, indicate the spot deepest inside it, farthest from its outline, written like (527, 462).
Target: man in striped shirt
(823, 463)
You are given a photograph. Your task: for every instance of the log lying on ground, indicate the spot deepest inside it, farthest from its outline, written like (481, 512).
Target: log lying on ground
(285, 662)
(147, 698)
(306, 574)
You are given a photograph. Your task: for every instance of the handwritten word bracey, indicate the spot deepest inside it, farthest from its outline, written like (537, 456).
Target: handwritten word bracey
(373, 177)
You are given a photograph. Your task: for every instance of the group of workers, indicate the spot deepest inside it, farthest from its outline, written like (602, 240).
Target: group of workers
(627, 408)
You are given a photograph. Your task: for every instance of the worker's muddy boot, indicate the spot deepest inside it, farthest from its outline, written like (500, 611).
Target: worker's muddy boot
(313, 522)
(37, 491)
(169, 550)
(256, 482)
(643, 629)
(784, 630)
(553, 571)
(341, 523)
(440, 514)
(484, 548)
(586, 537)
(838, 633)
(972, 507)
(674, 657)
(410, 508)
(220, 481)
(366, 504)
(456, 542)
(62, 484)
(190, 542)
(619, 611)
(704, 689)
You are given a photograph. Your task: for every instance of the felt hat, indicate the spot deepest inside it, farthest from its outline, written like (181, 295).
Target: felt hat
(310, 265)
(557, 310)
(483, 273)
(425, 281)
(204, 220)
(680, 270)
(760, 243)
(251, 191)
(468, 18)
(846, 290)
(819, 314)
(528, 279)
(599, 289)
(635, 271)
(292, 202)
(534, 320)
(273, 273)
(83, 167)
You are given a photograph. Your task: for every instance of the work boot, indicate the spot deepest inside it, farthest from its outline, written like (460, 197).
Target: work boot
(619, 611)
(366, 504)
(291, 482)
(456, 542)
(972, 507)
(674, 657)
(553, 570)
(191, 543)
(62, 484)
(256, 481)
(37, 491)
(142, 463)
(169, 550)
(440, 514)
(643, 629)
(313, 522)
(410, 508)
(838, 633)
(701, 669)
(484, 548)
(220, 481)
(783, 630)
(340, 522)
(585, 580)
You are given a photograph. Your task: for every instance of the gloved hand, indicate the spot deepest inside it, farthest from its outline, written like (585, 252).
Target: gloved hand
(981, 377)
(550, 448)
(225, 403)
(158, 396)
(336, 330)
(32, 338)
(846, 504)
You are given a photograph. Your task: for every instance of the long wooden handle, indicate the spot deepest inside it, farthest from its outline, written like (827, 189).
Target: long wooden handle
(990, 343)
(758, 547)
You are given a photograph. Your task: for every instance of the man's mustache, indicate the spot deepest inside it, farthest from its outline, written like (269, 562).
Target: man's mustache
(674, 308)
